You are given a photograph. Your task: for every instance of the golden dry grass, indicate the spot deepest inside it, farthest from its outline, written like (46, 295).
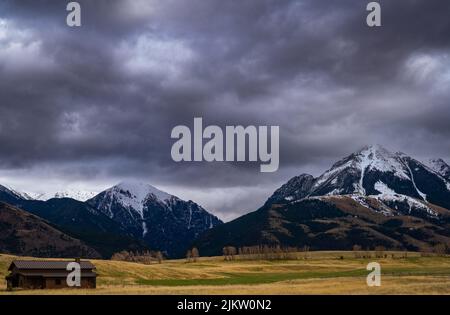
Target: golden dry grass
(321, 273)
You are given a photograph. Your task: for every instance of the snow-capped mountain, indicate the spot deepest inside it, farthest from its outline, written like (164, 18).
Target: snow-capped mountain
(163, 221)
(80, 195)
(398, 181)
(129, 216)
(78, 220)
(372, 197)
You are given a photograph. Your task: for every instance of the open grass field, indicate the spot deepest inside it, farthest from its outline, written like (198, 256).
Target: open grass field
(320, 273)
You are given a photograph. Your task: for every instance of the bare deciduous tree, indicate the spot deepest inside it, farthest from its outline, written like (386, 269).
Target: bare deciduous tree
(229, 252)
(159, 257)
(195, 254)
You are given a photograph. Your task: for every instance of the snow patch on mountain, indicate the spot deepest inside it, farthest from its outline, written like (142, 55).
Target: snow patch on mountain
(144, 229)
(387, 194)
(384, 189)
(330, 173)
(334, 192)
(411, 175)
(364, 164)
(361, 200)
(383, 209)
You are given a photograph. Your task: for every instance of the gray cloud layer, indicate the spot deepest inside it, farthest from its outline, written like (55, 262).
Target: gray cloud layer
(97, 103)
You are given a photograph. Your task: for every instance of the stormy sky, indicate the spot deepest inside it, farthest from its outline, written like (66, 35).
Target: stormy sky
(87, 107)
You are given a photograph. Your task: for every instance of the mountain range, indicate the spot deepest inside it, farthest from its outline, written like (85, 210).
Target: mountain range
(129, 216)
(80, 195)
(372, 197)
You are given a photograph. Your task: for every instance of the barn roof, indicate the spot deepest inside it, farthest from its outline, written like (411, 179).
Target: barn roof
(47, 264)
(57, 274)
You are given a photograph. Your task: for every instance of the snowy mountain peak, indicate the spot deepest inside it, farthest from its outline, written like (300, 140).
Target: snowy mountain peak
(377, 152)
(133, 195)
(379, 158)
(375, 148)
(161, 220)
(141, 190)
(353, 169)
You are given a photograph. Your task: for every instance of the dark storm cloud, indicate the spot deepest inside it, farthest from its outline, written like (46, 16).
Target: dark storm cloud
(101, 100)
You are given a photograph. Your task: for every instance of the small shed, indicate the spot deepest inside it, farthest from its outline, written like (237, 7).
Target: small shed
(47, 274)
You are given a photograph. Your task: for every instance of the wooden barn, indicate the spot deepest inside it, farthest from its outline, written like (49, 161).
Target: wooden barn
(34, 274)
